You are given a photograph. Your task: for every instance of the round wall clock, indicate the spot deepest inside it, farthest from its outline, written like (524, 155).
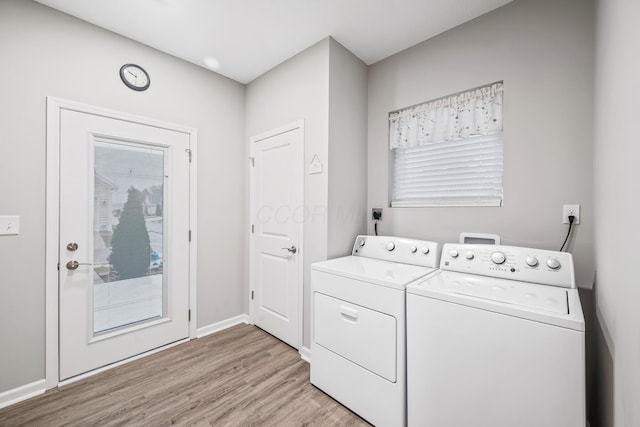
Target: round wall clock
(135, 77)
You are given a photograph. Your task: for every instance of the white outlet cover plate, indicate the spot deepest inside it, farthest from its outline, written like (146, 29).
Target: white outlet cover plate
(9, 225)
(568, 210)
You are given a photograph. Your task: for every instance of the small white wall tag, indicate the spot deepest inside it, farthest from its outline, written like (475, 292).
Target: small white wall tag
(315, 166)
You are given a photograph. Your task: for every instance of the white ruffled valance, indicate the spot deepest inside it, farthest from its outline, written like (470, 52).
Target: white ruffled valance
(472, 113)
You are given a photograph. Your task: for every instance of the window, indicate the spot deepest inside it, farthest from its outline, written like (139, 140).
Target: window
(448, 152)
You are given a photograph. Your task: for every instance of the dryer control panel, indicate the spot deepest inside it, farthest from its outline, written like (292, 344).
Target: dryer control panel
(510, 262)
(398, 249)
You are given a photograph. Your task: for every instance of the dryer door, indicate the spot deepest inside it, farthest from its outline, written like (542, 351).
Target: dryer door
(365, 337)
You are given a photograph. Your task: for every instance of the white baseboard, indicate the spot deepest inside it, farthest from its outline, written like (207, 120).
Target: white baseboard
(224, 324)
(21, 393)
(305, 354)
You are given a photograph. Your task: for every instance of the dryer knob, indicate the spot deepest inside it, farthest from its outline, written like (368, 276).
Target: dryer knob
(553, 263)
(361, 242)
(425, 249)
(413, 249)
(390, 246)
(531, 261)
(498, 257)
(469, 255)
(453, 253)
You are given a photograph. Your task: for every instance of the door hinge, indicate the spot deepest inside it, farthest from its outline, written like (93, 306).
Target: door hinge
(253, 161)
(58, 267)
(190, 153)
(253, 228)
(189, 235)
(189, 315)
(252, 295)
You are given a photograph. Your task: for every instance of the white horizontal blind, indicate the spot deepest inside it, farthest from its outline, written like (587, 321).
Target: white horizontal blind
(464, 172)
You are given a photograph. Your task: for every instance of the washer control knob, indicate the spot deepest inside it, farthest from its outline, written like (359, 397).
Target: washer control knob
(361, 242)
(498, 257)
(425, 249)
(453, 253)
(390, 246)
(469, 255)
(553, 263)
(413, 249)
(531, 261)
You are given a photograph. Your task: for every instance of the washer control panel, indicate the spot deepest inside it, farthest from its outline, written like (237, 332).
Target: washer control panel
(510, 262)
(398, 249)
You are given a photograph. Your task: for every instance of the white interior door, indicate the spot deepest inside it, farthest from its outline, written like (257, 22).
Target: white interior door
(277, 215)
(124, 239)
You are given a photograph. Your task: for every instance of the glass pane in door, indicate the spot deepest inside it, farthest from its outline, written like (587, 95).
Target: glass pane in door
(127, 234)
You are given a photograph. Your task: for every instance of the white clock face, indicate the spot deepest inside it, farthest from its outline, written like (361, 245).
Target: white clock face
(135, 77)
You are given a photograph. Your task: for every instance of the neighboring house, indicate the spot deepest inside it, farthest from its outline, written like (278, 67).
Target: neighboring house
(103, 204)
(152, 201)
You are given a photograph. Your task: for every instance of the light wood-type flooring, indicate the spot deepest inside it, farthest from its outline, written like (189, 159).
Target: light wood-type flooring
(241, 376)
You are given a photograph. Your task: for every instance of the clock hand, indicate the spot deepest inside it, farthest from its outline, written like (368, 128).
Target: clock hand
(134, 75)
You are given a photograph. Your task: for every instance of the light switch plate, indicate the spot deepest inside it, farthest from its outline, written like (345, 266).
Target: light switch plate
(9, 225)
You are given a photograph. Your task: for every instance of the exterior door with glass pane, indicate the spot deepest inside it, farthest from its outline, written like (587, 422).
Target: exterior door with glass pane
(124, 239)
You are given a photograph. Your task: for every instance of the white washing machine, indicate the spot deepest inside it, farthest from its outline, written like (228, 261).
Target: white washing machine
(496, 339)
(358, 324)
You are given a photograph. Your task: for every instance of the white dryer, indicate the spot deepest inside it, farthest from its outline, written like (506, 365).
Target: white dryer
(496, 339)
(358, 324)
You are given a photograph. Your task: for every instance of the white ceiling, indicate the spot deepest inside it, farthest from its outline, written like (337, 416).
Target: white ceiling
(249, 37)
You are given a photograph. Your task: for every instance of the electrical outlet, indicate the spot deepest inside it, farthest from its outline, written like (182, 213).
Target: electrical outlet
(376, 214)
(570, 210)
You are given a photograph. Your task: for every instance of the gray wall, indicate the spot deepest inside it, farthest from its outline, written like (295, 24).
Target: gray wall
(325, 85)
(543, 50)
(298, 89)
(616, 187)
(46, 53)
(347, 168)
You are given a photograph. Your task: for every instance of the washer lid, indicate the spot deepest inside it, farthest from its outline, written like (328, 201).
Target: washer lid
(525, 294)
(548, 304)
(385, 273)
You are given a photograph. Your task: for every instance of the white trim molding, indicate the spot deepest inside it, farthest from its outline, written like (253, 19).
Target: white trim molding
(222, 325)
(193, 232)
(54, 108)
(305, 354)
(51, 242)
(18, 394)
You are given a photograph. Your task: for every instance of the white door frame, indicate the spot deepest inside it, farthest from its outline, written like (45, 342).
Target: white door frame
(283, 129)
(52, 244)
